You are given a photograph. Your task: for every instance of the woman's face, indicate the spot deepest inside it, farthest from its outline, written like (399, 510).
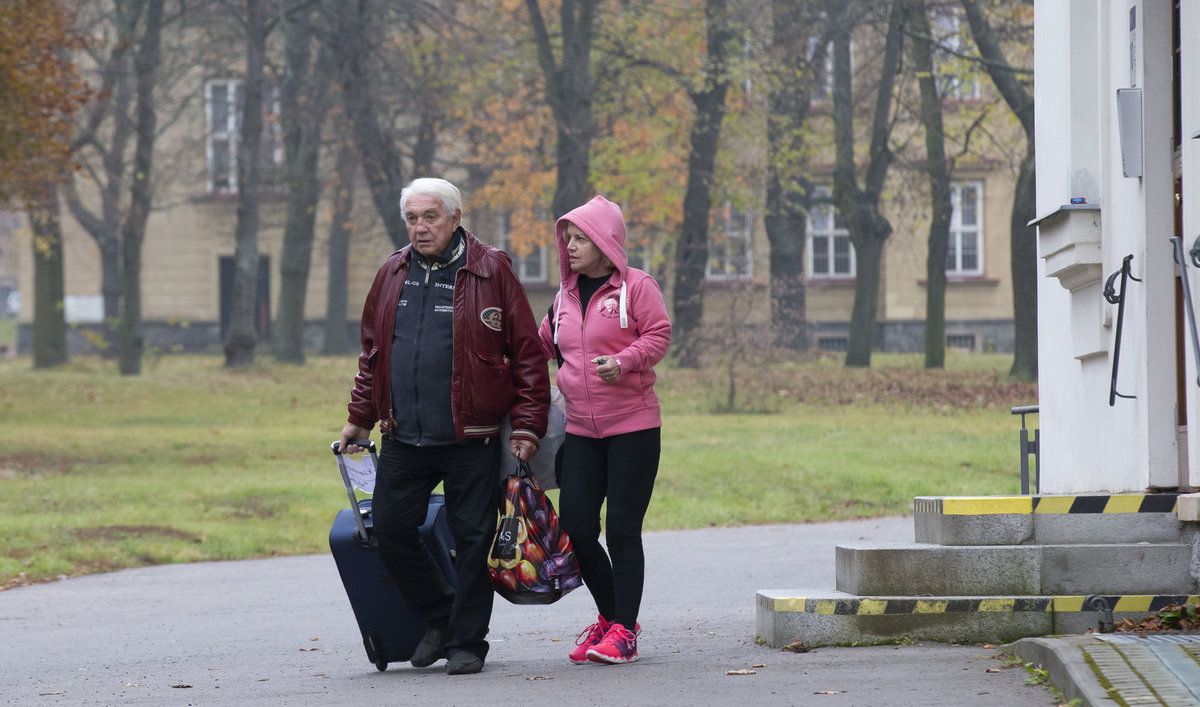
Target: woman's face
(585, 257)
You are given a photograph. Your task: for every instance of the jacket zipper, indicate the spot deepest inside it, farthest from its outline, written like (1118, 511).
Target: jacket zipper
(417, 356)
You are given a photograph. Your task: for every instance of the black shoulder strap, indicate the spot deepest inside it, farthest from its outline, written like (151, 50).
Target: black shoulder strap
(553, 331)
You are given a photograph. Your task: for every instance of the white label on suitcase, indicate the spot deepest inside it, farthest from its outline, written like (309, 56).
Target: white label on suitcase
(361, 472)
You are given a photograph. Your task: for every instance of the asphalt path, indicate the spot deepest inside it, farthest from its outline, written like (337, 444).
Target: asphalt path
(280, 631)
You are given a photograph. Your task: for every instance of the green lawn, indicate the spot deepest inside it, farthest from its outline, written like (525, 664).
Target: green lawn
(191, 461)
(8, 334)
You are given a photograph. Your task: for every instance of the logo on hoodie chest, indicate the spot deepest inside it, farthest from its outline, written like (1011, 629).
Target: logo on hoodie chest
(609, 307)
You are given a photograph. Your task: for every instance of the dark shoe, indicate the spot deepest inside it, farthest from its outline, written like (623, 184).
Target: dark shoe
(432, 647)
(463, 663)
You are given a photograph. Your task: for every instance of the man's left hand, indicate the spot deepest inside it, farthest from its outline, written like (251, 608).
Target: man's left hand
(522, 449)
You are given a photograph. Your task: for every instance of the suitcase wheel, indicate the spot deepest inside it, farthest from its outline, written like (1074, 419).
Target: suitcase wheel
(381, 665)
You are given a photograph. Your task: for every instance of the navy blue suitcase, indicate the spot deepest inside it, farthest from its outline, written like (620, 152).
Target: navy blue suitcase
(390, 631)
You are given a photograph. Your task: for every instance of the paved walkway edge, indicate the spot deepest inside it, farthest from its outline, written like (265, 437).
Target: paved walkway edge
(1069, 672)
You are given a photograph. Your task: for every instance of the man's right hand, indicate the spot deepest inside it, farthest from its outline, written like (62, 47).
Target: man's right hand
(352, 432)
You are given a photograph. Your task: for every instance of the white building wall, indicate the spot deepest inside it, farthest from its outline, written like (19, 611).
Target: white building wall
(1190, 158)
(1082, 50)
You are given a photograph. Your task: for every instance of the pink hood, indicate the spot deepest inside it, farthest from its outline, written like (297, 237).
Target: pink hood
(604, 224)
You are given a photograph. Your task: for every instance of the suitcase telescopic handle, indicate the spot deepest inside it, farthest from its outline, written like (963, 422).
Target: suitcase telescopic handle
(337, 453)
(364, 443)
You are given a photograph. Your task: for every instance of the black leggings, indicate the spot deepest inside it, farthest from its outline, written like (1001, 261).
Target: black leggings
(622, 469)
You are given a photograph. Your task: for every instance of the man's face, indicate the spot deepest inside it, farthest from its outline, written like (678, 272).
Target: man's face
(430, 228)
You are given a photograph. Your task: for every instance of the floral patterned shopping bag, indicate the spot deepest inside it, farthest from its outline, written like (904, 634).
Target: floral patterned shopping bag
(531, 561)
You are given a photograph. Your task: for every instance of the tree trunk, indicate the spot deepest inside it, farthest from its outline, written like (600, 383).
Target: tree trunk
(376, 150)
(859, 205)
(105, 227)
(145, 64)
(939, 186)
(49, 317)
(1023, 249)
(302, 113)
(868, 252)
(691, 250)
(243, 335)
(1022, 239)
(569, 94)
(336, 299)
(790, 98)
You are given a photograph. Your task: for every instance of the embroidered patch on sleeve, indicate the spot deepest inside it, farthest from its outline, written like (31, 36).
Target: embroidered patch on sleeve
(492, 318)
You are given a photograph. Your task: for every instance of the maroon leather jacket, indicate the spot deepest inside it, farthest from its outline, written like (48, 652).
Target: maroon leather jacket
(499, 367)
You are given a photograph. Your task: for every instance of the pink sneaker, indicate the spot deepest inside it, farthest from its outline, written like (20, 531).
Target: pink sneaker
(619, 645)
(587, 638)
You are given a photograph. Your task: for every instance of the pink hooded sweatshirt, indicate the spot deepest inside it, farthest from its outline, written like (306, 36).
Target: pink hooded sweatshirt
(626, 318)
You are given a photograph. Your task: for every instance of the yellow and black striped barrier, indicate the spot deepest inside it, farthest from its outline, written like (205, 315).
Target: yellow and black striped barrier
(1023, 505)
(892, 606)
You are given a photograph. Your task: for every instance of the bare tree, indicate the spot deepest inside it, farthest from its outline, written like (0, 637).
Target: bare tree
(691, 250)
(797, 58)
(1022, 241)
(303, 104)
(336, 302)
(939, 184)
(569, 94)
(860, 204)
(377, 151)
(145, 67)
(243, 336)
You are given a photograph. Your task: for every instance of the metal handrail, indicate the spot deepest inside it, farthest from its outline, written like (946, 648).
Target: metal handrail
(1111, 295)
(1029, 447)
(1177, 244)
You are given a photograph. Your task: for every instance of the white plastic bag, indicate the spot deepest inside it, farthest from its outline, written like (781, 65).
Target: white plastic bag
(542, 462)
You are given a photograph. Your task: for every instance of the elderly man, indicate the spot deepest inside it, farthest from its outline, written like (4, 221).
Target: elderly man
(449, 347)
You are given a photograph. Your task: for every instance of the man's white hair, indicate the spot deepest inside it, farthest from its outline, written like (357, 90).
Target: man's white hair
(447, 192)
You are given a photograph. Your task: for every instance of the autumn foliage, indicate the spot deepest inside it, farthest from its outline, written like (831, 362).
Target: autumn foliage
(40, 88)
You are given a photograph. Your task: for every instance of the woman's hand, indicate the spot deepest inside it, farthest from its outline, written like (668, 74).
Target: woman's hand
(608, 368)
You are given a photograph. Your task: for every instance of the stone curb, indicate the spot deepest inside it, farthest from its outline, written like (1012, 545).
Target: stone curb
(1069, 672)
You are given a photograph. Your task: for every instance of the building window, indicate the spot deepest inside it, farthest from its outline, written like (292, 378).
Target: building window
(964, 254)
(730, 246)
(823, 83)
(830, 253)
(223, 101)
(957, 79)
(960, 341)
(833, 343)
(529, 266)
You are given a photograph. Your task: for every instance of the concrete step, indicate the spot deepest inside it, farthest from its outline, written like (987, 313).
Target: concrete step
(1048, 519)
(918, 569)
(817, 617)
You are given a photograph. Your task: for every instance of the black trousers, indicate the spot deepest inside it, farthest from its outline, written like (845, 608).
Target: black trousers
(621, 469)
(470, 476)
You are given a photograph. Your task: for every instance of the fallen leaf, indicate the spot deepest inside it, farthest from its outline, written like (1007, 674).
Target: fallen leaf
(314, 638)
(309, 650)
(828, 692)
(992, 670)
(182, 685)
(986, 645)
(759, 665)
(49, 694)
(741, 672)
(797, 647)
(539, 677)
(133, 684)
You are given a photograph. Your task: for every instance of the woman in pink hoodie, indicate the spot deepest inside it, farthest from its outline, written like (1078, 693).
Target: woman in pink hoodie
(608, 326)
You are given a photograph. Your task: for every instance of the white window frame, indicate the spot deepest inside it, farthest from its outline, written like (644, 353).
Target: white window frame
(227, 132)
(230, 131)
(735, 228)
(823, 91)
(957, 230)
(519, 262)
(833, 232)
(947, 30)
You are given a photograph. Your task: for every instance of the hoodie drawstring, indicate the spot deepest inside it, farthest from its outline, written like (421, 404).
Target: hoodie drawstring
(624, 316)
(557, 312)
